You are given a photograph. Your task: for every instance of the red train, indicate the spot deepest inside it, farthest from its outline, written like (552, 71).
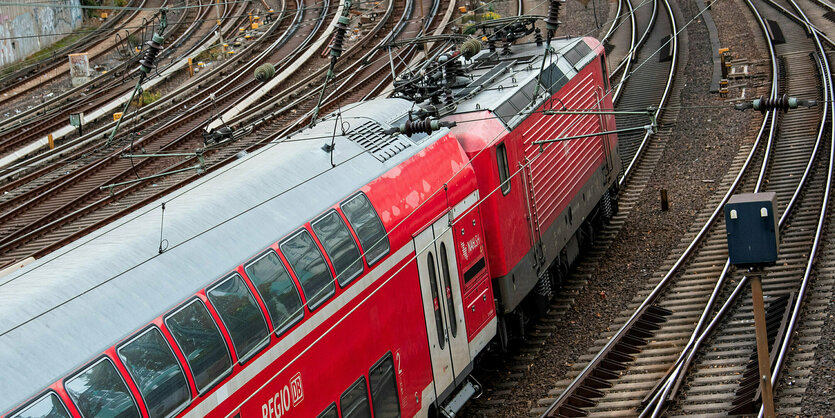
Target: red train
(347, 275)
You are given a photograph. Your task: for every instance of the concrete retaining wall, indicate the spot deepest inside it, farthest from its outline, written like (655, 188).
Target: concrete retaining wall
(30, 26)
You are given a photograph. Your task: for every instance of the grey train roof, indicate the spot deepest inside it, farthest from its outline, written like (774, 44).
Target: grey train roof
(51, 312)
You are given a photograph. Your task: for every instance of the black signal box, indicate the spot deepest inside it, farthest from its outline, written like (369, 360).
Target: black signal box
(751, 223)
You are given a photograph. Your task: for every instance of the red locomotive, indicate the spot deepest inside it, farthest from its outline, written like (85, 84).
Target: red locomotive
(358, 274)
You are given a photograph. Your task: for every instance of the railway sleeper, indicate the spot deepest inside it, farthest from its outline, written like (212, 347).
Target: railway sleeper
(570, 411)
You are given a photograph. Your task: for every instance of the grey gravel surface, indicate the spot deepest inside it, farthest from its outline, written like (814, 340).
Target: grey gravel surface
(704, 142)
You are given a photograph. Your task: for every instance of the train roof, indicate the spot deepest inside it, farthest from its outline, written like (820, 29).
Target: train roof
(236, 211)
(504, 83)
(51, 318)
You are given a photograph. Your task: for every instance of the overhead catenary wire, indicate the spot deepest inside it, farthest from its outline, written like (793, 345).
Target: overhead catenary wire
(186, 189)
(381, 284)
(130, 218)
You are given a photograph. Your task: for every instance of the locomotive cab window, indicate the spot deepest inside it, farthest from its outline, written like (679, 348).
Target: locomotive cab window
(310, 267)
(277, 290)
(340, 246)
(47, 406)
(156, 372)
(354, 402)
(100, 391)
(241, 316)
(384, 398)
(504, 173)
(368, 226)
(200, 341)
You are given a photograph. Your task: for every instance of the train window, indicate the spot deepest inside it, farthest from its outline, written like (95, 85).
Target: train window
(199, 339)
(553, 78)
(384, 398)
(277, 290)
(340, 246)
(241, 316)
(433, 285)
(354, 402)
(330, 412)
(453, 324)
(504, 174)
(363, 218)
(310, 267)
(156, 372)
(47, 406)
(100, 391)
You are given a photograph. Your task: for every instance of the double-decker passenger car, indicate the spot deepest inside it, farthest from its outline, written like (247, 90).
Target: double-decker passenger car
(350, 272)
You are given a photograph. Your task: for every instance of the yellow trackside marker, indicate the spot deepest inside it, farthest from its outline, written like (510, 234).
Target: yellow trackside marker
(117, 116)
(51, 141)
(190, 68)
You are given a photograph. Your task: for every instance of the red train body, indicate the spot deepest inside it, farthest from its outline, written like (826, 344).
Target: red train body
(474, 218)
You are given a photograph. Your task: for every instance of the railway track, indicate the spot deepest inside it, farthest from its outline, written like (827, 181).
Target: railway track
(639, 152)
(62, 224)
(622, 373)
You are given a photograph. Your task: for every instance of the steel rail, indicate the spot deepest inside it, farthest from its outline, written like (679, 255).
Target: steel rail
(667, 90)
(626, 63)
(661, 286)
(673, 380)
(795, 314)
(612, 27)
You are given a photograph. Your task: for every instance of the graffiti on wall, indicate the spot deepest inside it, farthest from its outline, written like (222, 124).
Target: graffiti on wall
(26, 29)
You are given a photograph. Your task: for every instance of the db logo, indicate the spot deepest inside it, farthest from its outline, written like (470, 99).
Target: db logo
(296, 390)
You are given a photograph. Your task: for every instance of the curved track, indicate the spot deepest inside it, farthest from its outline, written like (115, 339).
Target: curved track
(631, 360)
(50, 225)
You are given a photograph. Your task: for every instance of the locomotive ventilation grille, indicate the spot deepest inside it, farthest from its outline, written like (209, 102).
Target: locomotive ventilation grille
(371, 137)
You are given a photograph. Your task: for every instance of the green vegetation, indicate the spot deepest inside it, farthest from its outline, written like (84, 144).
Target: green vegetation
(210, 54)
(471, 20)
(146, 98)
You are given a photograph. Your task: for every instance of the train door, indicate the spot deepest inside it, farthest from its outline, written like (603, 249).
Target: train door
(442, 304)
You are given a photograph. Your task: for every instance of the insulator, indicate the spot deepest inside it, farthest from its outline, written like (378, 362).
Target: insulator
(425, 125)
(538, 36)
(152, 48)
(449, 99)
(506, 48)
(337, 45)
(491, 44)
(264, 72)
(470, 48)
(783, 103)
(552, 22)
